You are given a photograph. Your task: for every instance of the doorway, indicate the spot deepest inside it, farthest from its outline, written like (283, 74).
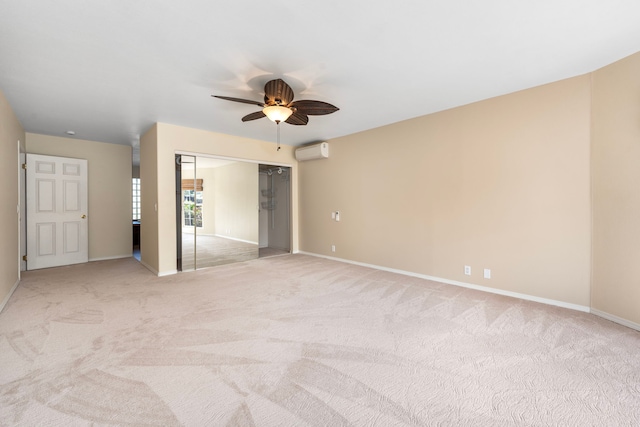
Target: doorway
(275, 210)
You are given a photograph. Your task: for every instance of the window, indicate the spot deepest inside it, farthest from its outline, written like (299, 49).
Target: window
(192, 206)
(136, 199)
(192, 202)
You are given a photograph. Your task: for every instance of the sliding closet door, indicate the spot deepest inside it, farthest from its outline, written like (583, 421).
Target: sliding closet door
(230, 212)
(217, 212)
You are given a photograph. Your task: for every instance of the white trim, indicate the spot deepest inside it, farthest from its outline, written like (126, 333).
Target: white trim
(461, 284)
(19, 211)
(6, 299)
(22, 216)
(616, 319)
(235, 159)
(168, 273)
(106, 258)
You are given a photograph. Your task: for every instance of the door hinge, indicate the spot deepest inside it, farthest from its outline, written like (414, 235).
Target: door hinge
(24, 257)
(24, 166)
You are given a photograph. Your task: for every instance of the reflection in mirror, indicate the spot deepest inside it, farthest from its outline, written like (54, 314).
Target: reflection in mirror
(188, 211)
(219, 216)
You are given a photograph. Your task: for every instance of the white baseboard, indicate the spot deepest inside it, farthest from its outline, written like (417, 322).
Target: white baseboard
(6, 299)
(616, 319)
(461, 284)
(237, 240)
(106, 258)
(167, 273)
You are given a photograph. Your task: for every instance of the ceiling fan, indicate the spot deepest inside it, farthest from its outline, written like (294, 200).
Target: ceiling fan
(279, 105)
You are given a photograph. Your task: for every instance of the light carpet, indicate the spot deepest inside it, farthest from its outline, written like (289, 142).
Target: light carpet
(297, 340)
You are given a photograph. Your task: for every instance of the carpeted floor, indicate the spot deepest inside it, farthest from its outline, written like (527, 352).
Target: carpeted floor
(266, 252)
(296, 340)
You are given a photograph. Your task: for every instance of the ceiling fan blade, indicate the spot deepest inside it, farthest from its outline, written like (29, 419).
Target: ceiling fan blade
(277, 92)
(244, 101)
(298, 119)
(253, 116)
(314, 108)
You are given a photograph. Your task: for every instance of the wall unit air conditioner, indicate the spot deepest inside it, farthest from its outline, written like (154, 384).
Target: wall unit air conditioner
(313, 152)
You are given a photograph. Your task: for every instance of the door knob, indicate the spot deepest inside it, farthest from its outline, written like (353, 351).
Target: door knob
(83, 216)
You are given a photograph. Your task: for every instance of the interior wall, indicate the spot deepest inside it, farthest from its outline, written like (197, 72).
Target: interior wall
(616, 189)
(109, 179)
(11, 132)
(149, 230)
(501, 184)
(170, 139)
(236, 201)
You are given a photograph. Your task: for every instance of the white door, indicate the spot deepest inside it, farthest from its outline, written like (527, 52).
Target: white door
(57, 223)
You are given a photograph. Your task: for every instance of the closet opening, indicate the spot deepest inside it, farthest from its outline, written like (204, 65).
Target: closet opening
(275, 210)
(230, 211)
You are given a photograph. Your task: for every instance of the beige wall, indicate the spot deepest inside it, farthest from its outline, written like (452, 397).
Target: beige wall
(10, 133)
(500, 184)
(170, 139)
(616, 189)
(149, 230)
(109, 176)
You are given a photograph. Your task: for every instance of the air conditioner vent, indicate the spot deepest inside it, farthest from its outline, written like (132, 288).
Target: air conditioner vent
(313, 152)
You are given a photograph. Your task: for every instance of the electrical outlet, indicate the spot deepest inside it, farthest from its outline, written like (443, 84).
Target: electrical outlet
(467, 270)
(487, 273)
(333, 248)
(337, 215)
(333, 215)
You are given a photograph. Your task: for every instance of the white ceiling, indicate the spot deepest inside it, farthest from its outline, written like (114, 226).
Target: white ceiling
(110, 69)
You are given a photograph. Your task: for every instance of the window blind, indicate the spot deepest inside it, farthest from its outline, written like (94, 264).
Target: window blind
(187, 184)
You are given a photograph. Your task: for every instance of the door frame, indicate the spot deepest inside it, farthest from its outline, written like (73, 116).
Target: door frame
(22, 197)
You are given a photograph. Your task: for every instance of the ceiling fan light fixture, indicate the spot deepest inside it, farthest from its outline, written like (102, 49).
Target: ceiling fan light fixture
(277, 113)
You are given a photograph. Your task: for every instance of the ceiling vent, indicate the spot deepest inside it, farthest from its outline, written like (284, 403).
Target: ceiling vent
(313, 152)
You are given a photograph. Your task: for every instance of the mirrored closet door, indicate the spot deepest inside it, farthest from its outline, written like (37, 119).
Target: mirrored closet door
(217, 211)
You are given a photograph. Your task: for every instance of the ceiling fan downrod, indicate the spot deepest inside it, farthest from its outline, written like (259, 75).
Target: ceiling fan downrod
(278, 132)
